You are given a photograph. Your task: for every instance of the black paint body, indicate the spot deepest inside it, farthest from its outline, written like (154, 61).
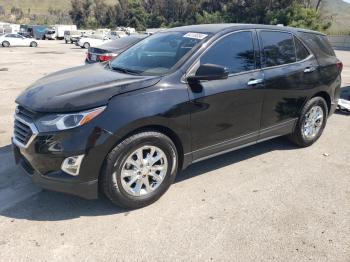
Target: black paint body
(202, 119)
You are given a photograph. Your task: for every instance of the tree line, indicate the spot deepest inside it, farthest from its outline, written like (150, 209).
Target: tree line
(143, 14)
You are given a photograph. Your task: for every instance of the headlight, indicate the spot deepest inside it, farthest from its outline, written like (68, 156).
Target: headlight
(57, 122)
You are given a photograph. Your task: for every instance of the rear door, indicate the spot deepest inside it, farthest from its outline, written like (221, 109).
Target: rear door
(11, 38)
(290, 74)
(227, 112)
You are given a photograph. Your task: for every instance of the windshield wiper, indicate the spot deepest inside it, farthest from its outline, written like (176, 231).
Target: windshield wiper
(126, 70)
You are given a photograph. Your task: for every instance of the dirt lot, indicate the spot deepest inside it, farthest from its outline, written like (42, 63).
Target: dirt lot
(269, 202)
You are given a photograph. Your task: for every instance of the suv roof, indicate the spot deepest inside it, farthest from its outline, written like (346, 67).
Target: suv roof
(216, 28)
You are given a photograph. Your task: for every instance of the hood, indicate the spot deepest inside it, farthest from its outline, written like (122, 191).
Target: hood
(80, 88)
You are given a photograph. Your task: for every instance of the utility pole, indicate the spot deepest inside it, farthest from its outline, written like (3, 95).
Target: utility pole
(318, 4)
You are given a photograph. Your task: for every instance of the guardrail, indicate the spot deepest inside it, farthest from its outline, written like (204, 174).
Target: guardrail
(340, 42)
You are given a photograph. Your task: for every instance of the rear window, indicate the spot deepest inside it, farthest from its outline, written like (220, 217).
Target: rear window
(122, 42)
(278, 48)
(319, 44)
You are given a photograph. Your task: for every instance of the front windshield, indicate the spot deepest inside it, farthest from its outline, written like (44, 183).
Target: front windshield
(157, 54)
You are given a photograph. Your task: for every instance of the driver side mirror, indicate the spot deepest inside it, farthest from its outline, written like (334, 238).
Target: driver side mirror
(208, 72)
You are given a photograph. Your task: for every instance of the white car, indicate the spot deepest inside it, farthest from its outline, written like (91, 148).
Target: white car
(86, 42)
(17, 40)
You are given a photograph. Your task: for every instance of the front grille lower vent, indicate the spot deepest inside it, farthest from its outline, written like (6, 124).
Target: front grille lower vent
(22, 132)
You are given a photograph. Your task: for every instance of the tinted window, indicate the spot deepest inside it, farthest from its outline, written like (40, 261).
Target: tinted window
(234, 52)
(319, 44)
(11, 35)
(278, 48)
(300, 49)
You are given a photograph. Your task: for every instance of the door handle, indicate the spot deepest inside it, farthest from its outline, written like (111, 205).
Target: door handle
(309, 69)
(254, 82)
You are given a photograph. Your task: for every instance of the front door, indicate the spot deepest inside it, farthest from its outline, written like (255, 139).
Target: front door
(227, 112)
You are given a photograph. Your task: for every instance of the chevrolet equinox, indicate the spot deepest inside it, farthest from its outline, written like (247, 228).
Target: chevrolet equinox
(178, 97)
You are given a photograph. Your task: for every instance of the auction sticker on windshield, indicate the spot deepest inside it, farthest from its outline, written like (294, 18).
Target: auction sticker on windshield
(196, 35)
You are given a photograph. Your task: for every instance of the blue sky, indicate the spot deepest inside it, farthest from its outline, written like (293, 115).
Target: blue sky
(348, 1)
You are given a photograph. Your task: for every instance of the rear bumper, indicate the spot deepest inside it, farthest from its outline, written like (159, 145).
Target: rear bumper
(333, 108)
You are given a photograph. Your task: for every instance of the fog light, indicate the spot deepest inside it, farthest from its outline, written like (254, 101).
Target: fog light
(71, 165)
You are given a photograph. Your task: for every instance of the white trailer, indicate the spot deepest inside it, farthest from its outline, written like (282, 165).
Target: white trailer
(59, 30)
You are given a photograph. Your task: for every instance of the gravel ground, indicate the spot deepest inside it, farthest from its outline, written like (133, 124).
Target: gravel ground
(269, 202)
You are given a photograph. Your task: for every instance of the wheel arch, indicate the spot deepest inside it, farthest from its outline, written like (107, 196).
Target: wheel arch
(166, 131)
(326, 97)
(156, 128)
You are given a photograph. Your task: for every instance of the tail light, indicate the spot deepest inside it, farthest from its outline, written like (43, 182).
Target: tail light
(340, 66)
(106, 57)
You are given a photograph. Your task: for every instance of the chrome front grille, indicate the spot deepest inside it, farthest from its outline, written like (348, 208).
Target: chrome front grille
(24, 128)
(24, 113)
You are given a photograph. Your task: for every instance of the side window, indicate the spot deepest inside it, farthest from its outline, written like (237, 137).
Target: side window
(234, 52)
(278, 48)
(11, 36)
(300, 49)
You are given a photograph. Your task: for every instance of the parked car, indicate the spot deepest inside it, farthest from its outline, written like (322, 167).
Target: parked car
(93, 40)
(72, 36)
(17, 40)
(178, 97)
(111, 49)
(50, 34)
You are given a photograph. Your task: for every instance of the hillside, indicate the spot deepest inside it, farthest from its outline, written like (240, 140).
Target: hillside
(340, 11)
(39, 6)
(36, 6)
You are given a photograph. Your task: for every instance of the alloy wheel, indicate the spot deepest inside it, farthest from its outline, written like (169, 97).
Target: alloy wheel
(313, 122)
(144, 170)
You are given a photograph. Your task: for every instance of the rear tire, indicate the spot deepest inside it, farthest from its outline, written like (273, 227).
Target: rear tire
(86, 45)
(6, 44)
(310, 125)
(142, 171)
(33, 44)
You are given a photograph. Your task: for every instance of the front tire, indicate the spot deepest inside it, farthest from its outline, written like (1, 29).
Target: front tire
(86, 45)
(5, 44)
(139, 170)
(312, 121)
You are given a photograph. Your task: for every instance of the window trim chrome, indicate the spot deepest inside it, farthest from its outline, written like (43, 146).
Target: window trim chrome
(32, 127)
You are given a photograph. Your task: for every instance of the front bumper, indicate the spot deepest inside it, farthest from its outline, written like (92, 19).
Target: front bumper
(43, 156)
(57, 180)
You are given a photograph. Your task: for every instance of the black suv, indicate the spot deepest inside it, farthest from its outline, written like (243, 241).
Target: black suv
(178, 97)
